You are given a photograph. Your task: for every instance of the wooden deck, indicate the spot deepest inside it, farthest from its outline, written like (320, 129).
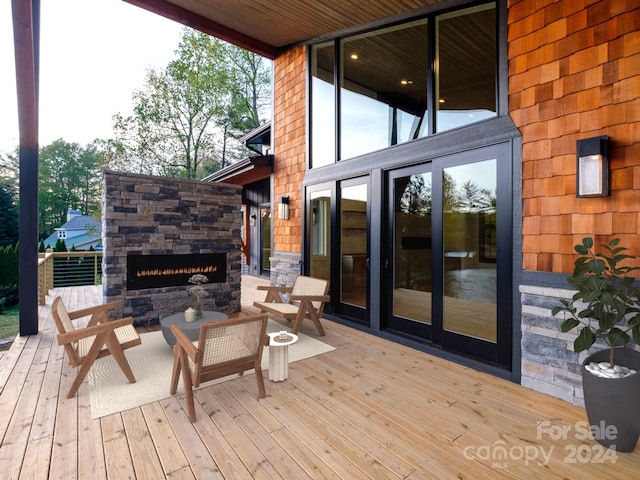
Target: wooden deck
(369, 409)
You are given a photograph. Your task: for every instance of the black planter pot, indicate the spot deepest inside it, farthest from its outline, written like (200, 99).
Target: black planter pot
(613, 404)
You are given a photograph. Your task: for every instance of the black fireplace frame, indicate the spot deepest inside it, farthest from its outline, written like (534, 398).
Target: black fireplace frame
(170, 270)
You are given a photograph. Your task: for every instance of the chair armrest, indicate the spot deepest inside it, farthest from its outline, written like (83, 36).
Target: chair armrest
(273, 292)
(312, 298)
(76, 335)
(275, 288)
(84, 312)
(185, 342)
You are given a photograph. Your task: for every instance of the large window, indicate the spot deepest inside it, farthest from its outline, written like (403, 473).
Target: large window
(396, 85)
(323, 110)
(466, 66)
(383, 88)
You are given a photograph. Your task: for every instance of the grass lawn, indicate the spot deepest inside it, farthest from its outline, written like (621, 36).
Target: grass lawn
(9, 322)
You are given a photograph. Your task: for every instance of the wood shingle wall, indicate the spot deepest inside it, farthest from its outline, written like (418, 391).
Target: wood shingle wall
(574, 72)
(290, 146)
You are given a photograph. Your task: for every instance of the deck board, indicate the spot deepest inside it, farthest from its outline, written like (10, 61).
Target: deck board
(369, 409)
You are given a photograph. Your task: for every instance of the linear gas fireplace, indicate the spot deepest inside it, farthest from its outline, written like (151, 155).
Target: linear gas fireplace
(169, 270)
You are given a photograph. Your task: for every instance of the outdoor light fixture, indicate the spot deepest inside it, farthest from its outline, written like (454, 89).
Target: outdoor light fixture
(252, 220)
(283, 208)
(592, 167)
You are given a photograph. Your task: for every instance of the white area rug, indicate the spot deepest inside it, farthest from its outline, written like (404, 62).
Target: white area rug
(151, 363)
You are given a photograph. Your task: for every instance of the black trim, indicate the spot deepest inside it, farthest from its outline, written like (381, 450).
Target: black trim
(482, 134)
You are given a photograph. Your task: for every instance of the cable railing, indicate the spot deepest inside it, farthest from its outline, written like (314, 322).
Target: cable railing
(67, 269)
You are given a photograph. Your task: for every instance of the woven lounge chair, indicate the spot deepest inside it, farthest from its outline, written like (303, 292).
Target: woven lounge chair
(101, 337)
(223, 348)
(306, 300)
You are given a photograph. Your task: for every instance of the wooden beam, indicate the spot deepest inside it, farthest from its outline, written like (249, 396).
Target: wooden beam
(26, 70)
(26, 36)
(205, 25)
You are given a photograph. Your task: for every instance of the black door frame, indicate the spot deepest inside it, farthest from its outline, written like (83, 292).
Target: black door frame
(501, 352)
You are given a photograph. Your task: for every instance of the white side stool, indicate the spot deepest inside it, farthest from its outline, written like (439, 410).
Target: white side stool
(279, 356)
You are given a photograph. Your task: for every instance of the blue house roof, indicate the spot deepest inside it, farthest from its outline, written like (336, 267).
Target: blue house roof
(81, 232)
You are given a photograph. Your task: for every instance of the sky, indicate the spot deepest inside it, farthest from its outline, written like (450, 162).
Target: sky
(93, 55)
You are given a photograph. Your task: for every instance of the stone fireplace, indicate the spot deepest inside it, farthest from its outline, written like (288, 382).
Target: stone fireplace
(157, 232)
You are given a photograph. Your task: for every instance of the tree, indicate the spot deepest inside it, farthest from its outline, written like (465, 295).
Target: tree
(188, 116)
(416, 196)
(249, 96)
(8, 214)
(10, 169)
(69, 178)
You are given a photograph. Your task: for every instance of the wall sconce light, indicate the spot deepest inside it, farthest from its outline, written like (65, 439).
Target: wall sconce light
(252, 220)
(592, 167)
(283, 208)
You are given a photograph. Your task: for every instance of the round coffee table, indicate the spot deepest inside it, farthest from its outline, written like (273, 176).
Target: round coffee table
(192, 329)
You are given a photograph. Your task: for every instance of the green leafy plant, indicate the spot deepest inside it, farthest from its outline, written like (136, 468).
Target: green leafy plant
(606, 302)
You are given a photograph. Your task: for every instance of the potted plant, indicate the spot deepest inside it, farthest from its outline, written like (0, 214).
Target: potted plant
(605, 307)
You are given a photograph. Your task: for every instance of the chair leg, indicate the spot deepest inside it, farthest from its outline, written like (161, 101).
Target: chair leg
(92, 354)
(307, 307)
(188, 386)
(260, 379)
(313, 314)
(175, 372)
(118, 354)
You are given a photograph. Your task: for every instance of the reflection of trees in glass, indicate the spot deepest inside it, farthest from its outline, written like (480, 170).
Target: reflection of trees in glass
(416, 197)
(469, 198)
(472, 198)
(449, 197)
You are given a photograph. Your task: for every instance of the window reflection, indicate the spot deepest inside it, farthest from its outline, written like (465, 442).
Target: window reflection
(353, 245)
(466, 67)
(323, 112)
(383, 88)
(470, 274)
(387, 84)
(412, 253)
(320, 219)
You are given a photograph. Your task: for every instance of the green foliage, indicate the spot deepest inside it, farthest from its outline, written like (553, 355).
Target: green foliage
(606, 302)
(60, 246)
(9, 295)
(69, 178)
(9, 265)
(187, 118)
(8, 214)
(9, 322)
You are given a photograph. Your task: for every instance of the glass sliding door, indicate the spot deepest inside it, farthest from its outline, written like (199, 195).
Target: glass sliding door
(447, 253)
(469, 256)
(354, 256)
(411, 251)
(320, 234)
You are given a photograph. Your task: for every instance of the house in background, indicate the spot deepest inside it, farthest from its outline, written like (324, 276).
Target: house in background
(80, 232)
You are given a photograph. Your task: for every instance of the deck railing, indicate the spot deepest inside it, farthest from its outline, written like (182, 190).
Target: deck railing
(67, 269)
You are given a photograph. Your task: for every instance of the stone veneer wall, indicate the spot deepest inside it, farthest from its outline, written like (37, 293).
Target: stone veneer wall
(159, 215)
(549, 364)
(285, 268)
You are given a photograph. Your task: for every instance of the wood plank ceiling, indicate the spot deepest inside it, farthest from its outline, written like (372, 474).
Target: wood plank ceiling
(267, 26)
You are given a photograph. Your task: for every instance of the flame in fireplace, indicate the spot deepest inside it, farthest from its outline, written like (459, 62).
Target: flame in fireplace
(176, 271)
